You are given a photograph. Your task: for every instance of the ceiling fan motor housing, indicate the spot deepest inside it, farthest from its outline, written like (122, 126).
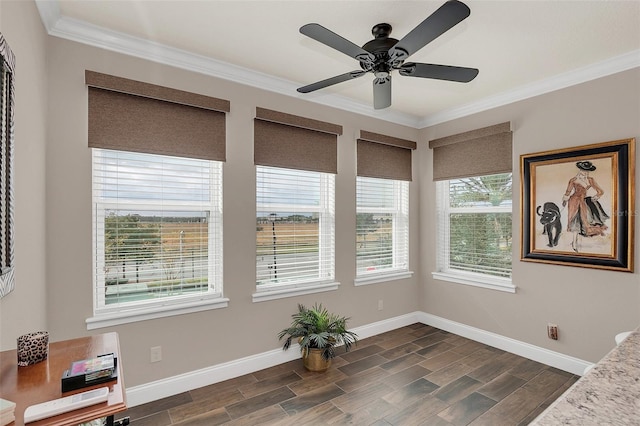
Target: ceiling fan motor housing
(379, 47)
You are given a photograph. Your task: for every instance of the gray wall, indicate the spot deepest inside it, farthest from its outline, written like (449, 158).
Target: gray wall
(590, 306)
(244, 328)
(25, 309)
(54, 218)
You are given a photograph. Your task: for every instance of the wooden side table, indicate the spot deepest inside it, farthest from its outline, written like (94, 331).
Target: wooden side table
(42, 382)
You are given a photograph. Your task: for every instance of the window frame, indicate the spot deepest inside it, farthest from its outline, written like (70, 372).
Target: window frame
(443, 271)
(400, 232)
(326, 250)
(103, 315)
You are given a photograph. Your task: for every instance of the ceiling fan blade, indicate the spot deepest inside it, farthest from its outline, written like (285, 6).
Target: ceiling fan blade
(439, 72)
(331, 81)
(331, 39)
(446, 17)
(382, 92)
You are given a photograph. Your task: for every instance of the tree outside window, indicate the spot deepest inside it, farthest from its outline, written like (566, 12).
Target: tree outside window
(478, 224)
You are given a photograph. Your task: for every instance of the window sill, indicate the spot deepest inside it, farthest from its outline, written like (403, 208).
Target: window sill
(143, 314)
(476, 281)
(262, 295)
(381, 278)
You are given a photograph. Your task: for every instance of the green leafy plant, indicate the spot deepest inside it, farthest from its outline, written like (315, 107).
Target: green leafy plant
(317, 328)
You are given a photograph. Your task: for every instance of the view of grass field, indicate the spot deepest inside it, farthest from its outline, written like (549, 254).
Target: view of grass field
(289, 236)
(148, 258)
(304, 236)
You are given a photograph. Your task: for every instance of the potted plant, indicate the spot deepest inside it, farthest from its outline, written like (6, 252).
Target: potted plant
(318, 332)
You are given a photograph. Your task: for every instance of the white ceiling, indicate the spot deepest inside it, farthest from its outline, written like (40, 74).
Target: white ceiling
(522, 48)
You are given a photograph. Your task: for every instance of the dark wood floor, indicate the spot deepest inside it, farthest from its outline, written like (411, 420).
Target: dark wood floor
(415, 375)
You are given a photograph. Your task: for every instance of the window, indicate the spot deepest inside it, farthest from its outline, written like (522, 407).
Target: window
(296, 161)
(382, 207)
(157, 232)
(382, 226)
(295, 227)
(475, 233)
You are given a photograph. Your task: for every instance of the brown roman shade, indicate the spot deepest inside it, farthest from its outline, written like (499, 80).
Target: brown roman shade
(478, 152)
(293, 142)
(130, 115)
(385, 157)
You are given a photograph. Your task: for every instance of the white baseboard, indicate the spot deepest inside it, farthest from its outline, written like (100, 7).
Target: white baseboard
(141, 394)
(536, 353)
(383, 326)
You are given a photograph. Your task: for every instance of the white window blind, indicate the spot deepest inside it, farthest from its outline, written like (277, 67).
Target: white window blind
(474, 225)
(382, 226)
(157, 230)
(295, 227)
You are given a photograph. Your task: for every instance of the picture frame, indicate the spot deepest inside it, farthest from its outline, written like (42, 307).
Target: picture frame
(7, 105)
(577, 206)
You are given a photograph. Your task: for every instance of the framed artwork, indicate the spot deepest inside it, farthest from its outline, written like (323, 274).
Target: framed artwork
(7, 261)
(577, 206)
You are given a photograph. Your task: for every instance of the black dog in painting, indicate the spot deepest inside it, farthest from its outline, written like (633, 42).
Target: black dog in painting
(550, 218)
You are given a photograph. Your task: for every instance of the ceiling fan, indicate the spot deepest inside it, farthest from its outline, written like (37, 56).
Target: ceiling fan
(384, 54)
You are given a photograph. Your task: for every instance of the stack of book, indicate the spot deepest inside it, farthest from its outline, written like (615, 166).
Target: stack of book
(89, 372)
(7, 412)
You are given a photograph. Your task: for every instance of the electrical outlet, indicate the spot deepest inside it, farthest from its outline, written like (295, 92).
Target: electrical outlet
(552, 331)
(156, 353)
(380, 304)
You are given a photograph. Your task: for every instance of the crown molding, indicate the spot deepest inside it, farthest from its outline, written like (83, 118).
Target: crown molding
(83, 32)
(49, 13)
(89, 34)
(590, 72)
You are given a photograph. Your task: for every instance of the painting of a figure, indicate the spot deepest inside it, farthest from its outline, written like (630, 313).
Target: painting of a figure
(574, 197)
(585, 214)
(577, 205)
